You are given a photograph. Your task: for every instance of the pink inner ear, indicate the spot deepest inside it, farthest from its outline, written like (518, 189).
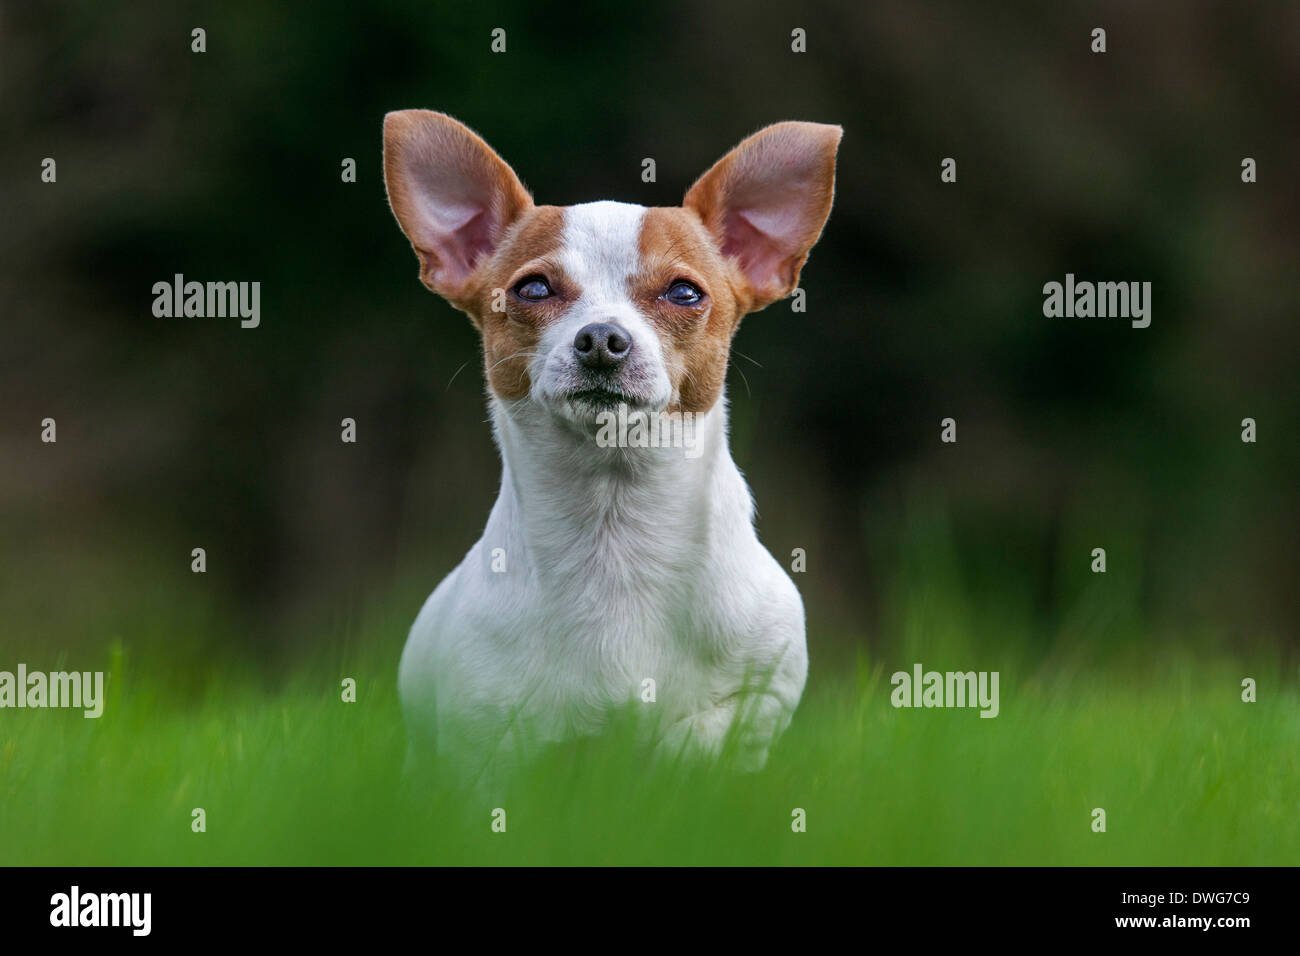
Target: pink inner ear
(754, 237)
(458, 236)
(783, 223)
(455, 222)
(766, 200)
(452, 195)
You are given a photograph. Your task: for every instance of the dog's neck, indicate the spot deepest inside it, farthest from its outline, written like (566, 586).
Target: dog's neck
(569, 506)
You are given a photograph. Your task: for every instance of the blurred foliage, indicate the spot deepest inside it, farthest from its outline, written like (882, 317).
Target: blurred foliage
(1187, 774)
(924, 301)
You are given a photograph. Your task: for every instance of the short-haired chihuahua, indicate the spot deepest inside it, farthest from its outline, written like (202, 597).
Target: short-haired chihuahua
(623, 574)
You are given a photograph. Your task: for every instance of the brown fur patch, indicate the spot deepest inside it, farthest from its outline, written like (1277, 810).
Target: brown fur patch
(674, 244)
(510, 337)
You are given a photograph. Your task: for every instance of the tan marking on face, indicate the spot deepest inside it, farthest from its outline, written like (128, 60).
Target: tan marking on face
(510, 338)
(696, 340)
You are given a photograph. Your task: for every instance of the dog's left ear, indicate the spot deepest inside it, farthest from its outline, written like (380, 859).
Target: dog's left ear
(766, 201)
(452, 195)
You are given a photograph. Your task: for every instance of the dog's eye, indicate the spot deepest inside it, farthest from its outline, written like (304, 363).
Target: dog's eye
(533, 288)
(682, 292)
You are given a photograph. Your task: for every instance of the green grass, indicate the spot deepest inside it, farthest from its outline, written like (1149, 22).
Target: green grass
(1102, 704)
(1187, 773)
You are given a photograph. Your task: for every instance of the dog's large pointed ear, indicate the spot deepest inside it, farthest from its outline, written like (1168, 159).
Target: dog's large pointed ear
(452, 195)
(766, 201)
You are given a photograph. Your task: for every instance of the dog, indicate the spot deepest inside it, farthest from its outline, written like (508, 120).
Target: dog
(608, 577)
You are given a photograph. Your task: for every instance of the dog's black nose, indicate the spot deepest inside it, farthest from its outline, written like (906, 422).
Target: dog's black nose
(602, 344)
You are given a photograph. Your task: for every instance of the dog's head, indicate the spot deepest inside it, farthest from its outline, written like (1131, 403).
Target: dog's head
(585, 307)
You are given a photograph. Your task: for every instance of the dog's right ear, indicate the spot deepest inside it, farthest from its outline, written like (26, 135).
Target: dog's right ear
(766, 202)
(452, 195)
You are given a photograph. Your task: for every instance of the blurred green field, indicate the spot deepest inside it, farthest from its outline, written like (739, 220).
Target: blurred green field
(1100, 706)
(1187, 773)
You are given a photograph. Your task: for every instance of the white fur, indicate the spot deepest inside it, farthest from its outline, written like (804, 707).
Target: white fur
(621, 565)
(600, 251)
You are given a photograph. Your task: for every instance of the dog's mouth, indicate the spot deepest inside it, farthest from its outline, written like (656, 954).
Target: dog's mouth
(602, 398)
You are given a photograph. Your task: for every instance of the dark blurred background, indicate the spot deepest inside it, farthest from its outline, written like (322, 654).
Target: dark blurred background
(924, 301)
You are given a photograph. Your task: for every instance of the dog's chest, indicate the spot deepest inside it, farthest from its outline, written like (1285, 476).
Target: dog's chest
(568, 650)
(593, 592)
